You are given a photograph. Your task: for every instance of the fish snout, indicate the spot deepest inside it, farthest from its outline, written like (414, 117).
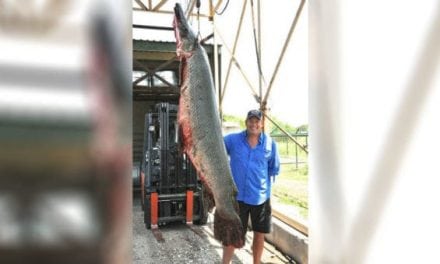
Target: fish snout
(178, 10)
(185, 38)
(179, 19)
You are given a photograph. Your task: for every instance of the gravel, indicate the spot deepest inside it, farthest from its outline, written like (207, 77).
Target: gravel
(187, 244)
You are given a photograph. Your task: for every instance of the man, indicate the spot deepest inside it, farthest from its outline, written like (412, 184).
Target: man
(254, 163)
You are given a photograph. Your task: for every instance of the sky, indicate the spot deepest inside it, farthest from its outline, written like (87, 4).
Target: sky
(288, 100)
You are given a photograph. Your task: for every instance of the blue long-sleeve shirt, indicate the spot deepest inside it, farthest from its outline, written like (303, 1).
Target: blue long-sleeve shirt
(252, 168)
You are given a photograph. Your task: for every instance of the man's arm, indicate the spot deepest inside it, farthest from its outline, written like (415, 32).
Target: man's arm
(274, 162)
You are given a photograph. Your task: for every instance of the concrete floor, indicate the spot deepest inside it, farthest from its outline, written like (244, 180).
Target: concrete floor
(183, 244)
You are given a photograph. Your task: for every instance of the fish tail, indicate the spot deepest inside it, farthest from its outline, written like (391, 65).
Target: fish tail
(229, 231)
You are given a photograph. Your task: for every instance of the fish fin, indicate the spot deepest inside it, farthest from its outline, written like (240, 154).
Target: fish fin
(229, 231)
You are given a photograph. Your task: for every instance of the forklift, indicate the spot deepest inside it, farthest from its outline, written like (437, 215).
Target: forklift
(170, 187)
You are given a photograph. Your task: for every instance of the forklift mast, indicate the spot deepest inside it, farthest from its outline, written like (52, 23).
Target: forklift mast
(168, 168)
(172, 190)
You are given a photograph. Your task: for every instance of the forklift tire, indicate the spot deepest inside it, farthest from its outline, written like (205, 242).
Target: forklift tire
(203, 205)
(147, 212)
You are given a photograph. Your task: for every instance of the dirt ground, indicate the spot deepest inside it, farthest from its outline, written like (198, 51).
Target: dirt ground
(179, 243)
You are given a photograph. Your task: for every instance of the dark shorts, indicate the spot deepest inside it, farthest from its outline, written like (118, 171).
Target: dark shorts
(261, 216)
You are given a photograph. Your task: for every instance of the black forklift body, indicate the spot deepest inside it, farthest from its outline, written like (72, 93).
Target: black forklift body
(168, 172)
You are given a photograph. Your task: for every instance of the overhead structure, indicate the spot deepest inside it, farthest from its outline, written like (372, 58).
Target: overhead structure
(166, 7)
(259, 89)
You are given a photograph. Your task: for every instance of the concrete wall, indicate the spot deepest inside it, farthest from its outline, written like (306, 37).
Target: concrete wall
(289, 241)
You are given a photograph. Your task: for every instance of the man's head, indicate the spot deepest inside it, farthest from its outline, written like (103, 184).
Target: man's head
(254, 124)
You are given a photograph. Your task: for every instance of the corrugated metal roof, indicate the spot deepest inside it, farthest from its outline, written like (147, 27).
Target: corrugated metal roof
(148, 45)
(162, 46)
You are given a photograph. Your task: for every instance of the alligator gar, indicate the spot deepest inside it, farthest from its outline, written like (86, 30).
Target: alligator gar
(199, 122)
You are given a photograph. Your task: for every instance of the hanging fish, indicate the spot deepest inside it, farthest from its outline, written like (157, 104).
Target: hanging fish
(202, 135)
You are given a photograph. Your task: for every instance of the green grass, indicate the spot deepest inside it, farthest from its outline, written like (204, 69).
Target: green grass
(290, 187)
(287, 148)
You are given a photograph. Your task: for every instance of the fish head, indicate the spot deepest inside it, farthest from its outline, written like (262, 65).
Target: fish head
(186, 40)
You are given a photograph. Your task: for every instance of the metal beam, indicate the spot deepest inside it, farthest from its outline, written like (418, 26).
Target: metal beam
(140, 79)
(286, 133)
(142, 5)
(158, 68)
(167, 12)
(159, 5)
(260, 79)
(239, 67)
(206, 39)
(155, 90)
(151, 55)
(211, 10)
(237, 34)
(292, 28)
(152, 27)
(152, 72)
(166, 63)
(218, 5)
(190, 9)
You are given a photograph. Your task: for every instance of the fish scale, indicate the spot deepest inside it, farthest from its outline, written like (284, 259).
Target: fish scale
(202, 136)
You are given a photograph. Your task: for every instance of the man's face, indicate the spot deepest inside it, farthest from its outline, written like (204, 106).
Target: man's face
(254, 126)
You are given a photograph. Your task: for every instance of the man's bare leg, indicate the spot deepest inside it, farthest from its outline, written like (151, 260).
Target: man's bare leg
(257, 247)
(228, 253)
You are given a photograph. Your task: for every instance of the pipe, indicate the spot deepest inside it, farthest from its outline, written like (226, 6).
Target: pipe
(152, 27)
(239, 67)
